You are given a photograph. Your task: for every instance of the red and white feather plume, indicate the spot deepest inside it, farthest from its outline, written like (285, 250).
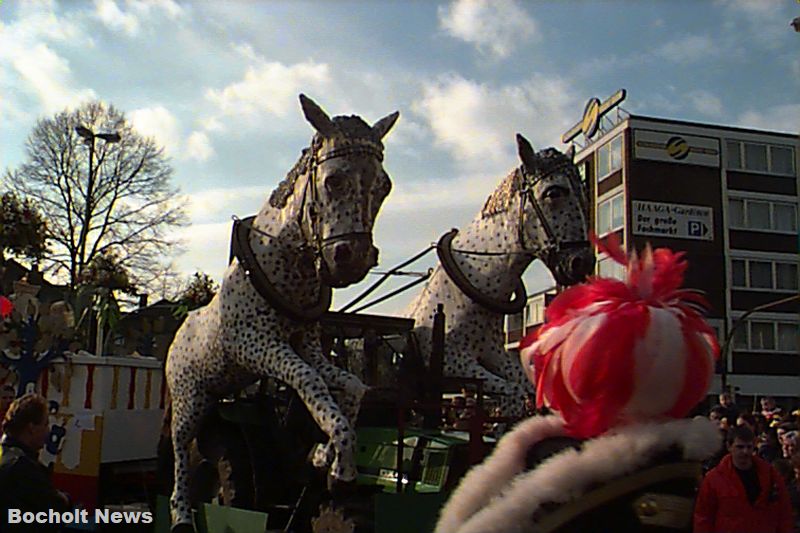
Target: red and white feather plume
(615, 352)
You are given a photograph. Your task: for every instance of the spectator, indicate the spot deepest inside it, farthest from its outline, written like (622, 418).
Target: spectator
(744, 493)
(747, 419)
(785, 468)
(770, 409)
(789, 444)
(718, 415)
(769, 447)
(729, 408)
(24, 482)
(7, 394)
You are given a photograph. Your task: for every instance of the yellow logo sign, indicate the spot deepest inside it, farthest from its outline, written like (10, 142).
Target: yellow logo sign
(592, 114)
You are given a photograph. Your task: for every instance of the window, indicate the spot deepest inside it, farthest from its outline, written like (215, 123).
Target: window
(762, 215)
(739, 273)
(734, 155)
(609, 158)
(762, 336)
(535, 313)
(784, 217)
(788, 337)
(765, 335)
(610, 214)
(736, 213)
(608, 268)
(764, 274)
(786, 276)
(760, 275)
(759, 157)
(514, 322)
(782, 159)
(755, 157)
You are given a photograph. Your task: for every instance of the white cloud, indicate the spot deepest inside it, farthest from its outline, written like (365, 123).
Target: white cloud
(198, 146)
(777, 118)
(764, 20)
(130, 21)
(158, 122)
(206, 247)
(114, 18)
(493, 26)
(689, 49)
(35, 68)
(216, 203)
(271, 88)
(706, 103)
(477, 122)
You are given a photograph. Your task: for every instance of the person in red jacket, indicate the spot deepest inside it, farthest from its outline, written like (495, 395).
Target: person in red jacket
(743, 494)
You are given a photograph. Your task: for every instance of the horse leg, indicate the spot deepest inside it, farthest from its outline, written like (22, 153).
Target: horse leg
(349, 400)
(310, 387)
(189, 407)
(511, 395)
(507, 365)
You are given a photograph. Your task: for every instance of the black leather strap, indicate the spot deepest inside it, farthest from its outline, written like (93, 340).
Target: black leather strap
(241, 250)
(445, 252)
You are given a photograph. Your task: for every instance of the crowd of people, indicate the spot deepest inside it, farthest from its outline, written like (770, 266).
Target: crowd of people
(753, 482)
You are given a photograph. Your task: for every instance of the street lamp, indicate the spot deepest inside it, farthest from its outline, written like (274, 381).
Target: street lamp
(726, 345)
(89, 136)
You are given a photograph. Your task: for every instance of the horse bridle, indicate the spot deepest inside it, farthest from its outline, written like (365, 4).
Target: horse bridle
(315, 240)
(552, 247)
(241, 249)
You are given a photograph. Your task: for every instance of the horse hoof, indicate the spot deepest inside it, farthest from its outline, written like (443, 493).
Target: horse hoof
(339, 487)
(182, 528)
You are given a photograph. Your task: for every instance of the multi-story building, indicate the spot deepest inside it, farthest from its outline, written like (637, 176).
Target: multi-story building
(728, 197)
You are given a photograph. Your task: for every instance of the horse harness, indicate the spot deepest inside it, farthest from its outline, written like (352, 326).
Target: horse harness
(552, 247)
(241, 249)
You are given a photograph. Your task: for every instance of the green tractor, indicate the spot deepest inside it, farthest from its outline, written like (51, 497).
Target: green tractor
(252, 453)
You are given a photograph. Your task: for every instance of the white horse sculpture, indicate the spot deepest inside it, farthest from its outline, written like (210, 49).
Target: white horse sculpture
(314, 233)
(538, 211)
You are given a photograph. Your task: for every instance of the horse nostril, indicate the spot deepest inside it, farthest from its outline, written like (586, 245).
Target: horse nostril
(342, 253)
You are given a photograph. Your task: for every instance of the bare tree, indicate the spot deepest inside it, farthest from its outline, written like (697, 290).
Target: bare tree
(103, 188)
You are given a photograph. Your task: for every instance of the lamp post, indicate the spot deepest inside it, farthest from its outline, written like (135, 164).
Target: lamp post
(726, 345)
(89, 136)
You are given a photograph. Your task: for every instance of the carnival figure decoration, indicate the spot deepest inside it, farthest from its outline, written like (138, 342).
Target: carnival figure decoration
(539, 211)
(314, 233)
(621, 363)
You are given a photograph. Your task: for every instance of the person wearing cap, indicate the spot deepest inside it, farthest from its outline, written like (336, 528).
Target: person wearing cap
(620, 364)
(24, 481)
(744, 493)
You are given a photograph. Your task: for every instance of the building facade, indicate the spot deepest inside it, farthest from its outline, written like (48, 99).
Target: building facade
(726, 196)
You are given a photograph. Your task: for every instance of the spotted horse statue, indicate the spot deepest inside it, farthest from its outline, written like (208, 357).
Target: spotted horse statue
(314, 233)
(538, 211)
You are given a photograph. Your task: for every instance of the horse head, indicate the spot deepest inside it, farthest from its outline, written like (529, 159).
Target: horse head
(555, 200)
(344, 191)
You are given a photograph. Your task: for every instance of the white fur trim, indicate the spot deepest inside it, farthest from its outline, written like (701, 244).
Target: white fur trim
(497, 497)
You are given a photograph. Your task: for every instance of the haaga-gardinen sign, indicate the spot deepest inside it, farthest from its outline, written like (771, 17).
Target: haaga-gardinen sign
(672, 221)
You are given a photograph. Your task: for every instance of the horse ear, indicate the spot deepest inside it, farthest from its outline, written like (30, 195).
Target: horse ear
(526, 153)
(316, 116)
(571, 152)
(383, 126)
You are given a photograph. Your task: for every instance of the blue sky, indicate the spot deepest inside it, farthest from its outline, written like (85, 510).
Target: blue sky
(217, 82)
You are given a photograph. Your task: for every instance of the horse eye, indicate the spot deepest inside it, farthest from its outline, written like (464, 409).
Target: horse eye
(555, 192)
(335, 182)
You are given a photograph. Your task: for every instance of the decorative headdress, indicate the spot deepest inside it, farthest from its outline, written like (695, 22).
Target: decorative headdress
(615, 352)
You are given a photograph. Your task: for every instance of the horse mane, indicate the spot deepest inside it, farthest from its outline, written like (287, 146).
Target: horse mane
(499, 201)
(348, 129)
